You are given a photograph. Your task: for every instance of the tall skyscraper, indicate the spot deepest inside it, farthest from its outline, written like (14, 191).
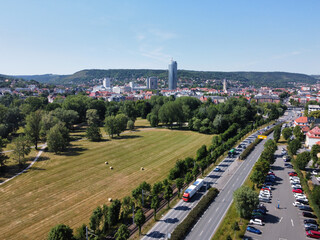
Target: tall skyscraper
(106, 82)
(225, 86)
(173, 75)
(152, 83)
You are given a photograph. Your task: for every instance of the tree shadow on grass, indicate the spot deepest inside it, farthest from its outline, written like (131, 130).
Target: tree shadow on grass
(126, 137)
(73, 150)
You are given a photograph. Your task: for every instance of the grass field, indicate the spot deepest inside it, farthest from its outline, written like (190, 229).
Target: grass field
(66, 188)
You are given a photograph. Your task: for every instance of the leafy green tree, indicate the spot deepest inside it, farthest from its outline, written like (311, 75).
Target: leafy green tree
(60, 232)
(69, 117)
(157, 188)
(111, 126)
(92, 117)
(286, 133)
(202, 153)
(245, 200)
(113, 213)
(33, 127)
(47, 122)
(277, 133)
(139, 219)
(293, 146)
(179, 184)
(81, 233)
(58, 138)
(3, 157)
(316, 194)
(123, 233)
(155, 203)
(188, 178)
(21, 148)
(126, 205)
(130, 125)
(235, 226)
(93, 133)
(95, 220)
(195, 171)
(303, 159)
(153, 119)
(168, 194)
(298, 133)
(121, 123)
(78, 103)
(315, 114)
(129, 110)
(314, 153)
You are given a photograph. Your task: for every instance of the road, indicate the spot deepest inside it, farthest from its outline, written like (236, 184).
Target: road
(208, 224)
(285, 223)
(231, 176)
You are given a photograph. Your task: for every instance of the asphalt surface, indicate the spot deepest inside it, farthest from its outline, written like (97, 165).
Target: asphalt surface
(285, 222)
(231, 176)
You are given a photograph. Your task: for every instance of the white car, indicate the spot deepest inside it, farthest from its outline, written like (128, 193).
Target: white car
(296, 186)
(314, 172)
(302, 198)
(294, 178)
(297, 204)
(264, 196)
(256, 221)
(318, 178)
(294, 181)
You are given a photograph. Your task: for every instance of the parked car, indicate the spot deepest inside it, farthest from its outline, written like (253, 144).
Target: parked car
(313, 234)
(296, 185)
(297, 204)
(310, 226)
(259, 222)
(259, 211)
(297, 190)
(314, 172)
(310, 221)
(306, 208)
(253, 230)
(294, 177)
(293, 174)
(217, 169)
(308, 215)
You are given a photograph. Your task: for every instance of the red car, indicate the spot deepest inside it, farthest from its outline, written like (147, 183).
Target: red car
(293, 174)
(313, 234)
(262, 189)
(297, 190)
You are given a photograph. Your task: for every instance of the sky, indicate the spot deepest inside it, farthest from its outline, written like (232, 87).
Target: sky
(66, 36)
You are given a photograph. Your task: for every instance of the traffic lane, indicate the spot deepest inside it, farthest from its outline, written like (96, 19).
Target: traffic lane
(220, 206)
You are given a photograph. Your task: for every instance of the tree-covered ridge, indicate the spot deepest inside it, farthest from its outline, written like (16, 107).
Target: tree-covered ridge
(271, 79)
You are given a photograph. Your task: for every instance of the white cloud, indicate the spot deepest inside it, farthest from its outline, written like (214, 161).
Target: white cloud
(155, 53)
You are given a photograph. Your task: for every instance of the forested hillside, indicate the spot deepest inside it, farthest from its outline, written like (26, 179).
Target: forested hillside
(271, 79)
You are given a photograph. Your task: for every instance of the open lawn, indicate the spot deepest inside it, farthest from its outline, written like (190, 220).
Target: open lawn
(66, 188)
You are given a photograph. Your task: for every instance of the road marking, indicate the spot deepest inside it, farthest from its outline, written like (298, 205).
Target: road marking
(292, 223)
(217, 209)
(280, 219)
(201, 232)
(210, 220)
(228, 192)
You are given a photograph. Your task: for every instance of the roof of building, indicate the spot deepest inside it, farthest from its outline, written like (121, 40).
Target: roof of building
(302, 120)
(314, 133)
(305, 129)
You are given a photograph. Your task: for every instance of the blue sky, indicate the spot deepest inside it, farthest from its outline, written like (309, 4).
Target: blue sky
(65, 36)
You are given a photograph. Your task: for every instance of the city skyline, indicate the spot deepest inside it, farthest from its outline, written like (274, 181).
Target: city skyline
(63, 37)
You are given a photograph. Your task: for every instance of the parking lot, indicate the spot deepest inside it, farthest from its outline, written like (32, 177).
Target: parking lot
(285, 222)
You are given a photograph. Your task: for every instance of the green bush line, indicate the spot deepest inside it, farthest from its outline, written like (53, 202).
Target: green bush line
(186, 225)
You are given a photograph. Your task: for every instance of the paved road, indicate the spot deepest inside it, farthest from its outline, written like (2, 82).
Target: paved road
(229, 168)
(285, 223)
(208, 224)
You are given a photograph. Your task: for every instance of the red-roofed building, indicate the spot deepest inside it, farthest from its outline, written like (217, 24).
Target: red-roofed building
(305, 129)
(301, 121)
(312, 137)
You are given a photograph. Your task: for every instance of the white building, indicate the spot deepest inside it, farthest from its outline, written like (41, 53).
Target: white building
(106, 82)
(312, 108)
(312, 137)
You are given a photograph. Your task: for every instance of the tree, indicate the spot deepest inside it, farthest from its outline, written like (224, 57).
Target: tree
(157, 188)
(195, 171)
(155, 203)
(123, 233)
(294, 145)
(246, 200)
(130, 125)
(126, 205)
(110, 126)
(303, 159)
(3, 157)
(95, 219)
(277, 133)
(78, 103)
(202, 153)
(113, 213)
(81, 232)
(153, 119)
(179, 184)
(93, 133)
(314, 153)
(316, 194)
(92, 117)
(121, 123)
(58, 138)
(168, 194)
(61, 232)
(69, 117)
(21, 148)
(33, 127)
(188, 178)
(286, 133)
(47, 122)
(139, 219)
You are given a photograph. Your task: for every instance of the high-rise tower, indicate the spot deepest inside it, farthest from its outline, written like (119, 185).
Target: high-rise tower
(173, 75)
(224, 85)
(152, 83)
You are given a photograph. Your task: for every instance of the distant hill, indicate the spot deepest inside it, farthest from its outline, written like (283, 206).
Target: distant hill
(271, 79)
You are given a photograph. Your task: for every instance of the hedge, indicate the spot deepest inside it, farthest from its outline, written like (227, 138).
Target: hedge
(182, 230)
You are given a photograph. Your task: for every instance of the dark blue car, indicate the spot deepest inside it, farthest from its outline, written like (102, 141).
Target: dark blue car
(253, 230)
